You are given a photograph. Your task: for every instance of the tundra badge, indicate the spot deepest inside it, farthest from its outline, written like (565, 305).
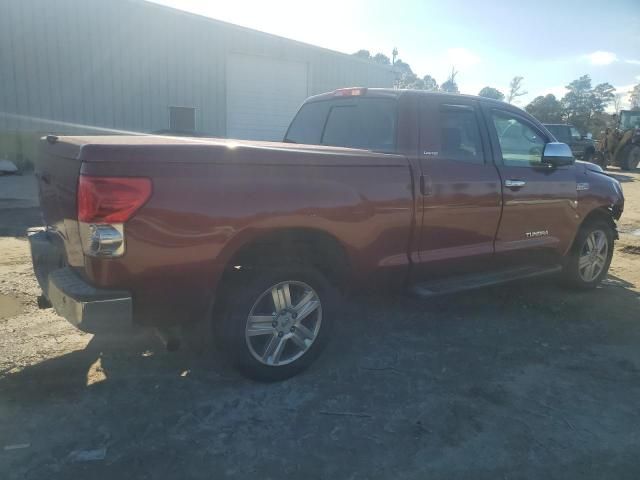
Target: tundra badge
(539, 233)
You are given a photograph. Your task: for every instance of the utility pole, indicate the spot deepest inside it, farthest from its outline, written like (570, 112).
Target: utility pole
(394, 55)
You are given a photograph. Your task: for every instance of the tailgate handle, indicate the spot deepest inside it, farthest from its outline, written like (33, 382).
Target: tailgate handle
(514, 183)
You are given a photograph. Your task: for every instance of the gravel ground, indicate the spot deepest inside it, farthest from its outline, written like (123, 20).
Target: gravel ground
(525, 381)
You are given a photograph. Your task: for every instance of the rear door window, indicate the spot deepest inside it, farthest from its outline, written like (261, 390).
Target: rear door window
(365, 123)
(460, 135)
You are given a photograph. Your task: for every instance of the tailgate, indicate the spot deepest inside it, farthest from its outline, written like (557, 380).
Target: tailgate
(57, 169)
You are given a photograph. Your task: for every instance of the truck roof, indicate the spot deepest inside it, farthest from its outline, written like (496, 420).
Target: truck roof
(397, 93)
(393, 92)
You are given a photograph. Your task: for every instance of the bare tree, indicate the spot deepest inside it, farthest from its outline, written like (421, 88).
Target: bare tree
(515, 89)
(450, 85)
(617, 102)
(634, 97)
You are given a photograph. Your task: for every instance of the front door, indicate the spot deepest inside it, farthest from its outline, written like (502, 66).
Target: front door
(539, 215)
(459, 188)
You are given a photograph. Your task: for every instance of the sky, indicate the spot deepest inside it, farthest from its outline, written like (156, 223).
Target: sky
(548, 42)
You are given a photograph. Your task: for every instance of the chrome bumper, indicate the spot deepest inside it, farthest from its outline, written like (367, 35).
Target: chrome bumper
(90, 309)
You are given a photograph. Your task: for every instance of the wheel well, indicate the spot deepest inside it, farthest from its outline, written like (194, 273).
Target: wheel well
(293, 246)
(601, 213)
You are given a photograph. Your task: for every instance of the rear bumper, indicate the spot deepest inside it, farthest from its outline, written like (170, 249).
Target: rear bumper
(90, 309)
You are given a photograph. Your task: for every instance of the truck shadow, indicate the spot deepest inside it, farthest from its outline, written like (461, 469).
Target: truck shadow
(142, 359)
(402, 376)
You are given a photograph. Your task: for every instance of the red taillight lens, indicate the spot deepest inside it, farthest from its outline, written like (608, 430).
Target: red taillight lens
(111, 199)
(349, 92)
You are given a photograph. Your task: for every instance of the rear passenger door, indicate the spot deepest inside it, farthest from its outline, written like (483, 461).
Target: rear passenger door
(540, 201)
(459, 187)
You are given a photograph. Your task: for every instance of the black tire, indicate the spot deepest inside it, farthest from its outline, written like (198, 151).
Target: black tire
(574, 273)
(630, 157)
(599, 159)
(588, 155)
(242, 297)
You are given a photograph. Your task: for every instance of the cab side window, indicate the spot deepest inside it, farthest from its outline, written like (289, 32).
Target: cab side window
(575, 134)
(521, 144)
(460, 135)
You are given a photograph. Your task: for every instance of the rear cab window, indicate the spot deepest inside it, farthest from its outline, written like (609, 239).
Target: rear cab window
(368, 123)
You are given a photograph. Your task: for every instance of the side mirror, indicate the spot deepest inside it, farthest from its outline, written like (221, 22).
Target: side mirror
(557, 154)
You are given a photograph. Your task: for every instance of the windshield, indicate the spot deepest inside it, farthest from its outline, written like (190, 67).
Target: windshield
(365, 123)
(630, 120)
(561, 132)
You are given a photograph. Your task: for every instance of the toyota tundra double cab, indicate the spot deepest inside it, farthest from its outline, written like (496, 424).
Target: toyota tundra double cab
(429, 193)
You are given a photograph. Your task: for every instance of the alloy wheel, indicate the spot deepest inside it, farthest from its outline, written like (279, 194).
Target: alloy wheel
(283, 323)
(593, 256)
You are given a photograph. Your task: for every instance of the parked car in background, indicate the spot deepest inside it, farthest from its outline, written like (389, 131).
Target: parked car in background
(582, 146)
(399, 189)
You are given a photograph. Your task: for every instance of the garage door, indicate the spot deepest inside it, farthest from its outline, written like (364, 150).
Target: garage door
(263, 95)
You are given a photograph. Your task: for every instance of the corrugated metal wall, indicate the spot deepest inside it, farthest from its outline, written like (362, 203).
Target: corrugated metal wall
(120, 64)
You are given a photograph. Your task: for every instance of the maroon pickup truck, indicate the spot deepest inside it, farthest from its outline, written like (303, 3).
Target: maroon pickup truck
(427, 192)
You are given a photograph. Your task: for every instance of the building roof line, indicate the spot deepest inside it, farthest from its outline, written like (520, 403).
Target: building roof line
(198, 16)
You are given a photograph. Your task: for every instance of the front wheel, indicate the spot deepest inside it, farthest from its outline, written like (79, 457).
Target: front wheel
(277, 321)
(630, 157)
(591, 255)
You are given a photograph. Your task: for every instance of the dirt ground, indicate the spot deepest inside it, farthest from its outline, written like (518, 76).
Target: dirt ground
(526, 381)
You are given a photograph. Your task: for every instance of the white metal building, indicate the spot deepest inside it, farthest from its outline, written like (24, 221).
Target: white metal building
(87, 65)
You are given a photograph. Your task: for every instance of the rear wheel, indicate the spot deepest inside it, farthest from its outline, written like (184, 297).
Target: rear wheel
(277, 321)
(630, 157)
(591, 255)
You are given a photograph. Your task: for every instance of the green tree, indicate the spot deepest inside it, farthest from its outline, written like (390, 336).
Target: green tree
(490, 92)
(601, 96)
(547, 109)
(405, 78)
(583, 104)
(364, 54)
(634, 97)
(381, 58)
(515, 89)
(430, 83)
(576, 103)
(450, 85)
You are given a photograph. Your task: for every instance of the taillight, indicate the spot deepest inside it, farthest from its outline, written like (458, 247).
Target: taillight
(104, 205)
(349, 92)
(111, 199)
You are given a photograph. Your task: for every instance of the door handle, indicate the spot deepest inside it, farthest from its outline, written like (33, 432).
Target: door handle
(425, 185)
(514, 183)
